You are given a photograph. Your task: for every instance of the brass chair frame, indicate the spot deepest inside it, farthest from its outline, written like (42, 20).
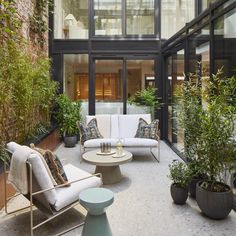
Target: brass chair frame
(49, 212)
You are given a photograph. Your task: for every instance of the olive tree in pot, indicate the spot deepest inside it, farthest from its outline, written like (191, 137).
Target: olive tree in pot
(216, 145)
(68, 113)
(180, 176)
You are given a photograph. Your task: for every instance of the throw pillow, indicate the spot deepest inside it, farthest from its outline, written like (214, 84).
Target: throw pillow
(146, 130)
(54, 165)
(90, 131)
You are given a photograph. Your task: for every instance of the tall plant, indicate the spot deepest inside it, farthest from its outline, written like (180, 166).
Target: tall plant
(207, 116)
(27, 91)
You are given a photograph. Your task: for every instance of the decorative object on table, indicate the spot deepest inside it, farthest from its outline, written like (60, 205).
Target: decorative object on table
(210, 140)
(68, 114)
(180, 177)
(96, 201)
(119, 148)
(105, 148)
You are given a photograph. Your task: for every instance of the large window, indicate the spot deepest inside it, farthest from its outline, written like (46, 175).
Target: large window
(108, 17)
(76, 78)
(140, 17)
(174, 15)
(199, 52)
(225, 43)
(71, 19)
(175, 78)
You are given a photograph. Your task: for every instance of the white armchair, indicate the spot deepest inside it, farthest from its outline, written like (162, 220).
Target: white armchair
(49, 199)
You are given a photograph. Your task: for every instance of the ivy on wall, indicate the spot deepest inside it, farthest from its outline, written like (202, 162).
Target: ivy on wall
(38, 21)
(9, 25)
(26, 89)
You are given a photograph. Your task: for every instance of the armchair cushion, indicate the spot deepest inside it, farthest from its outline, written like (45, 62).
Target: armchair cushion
(68, 195)
(89, 132)
(54, 165)
(148, 131)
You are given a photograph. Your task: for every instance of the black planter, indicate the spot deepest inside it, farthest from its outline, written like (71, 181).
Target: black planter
(70, 141)
(178, 194)
(192, 186)
(215, 205)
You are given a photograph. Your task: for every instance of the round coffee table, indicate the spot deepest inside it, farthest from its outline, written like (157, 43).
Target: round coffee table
(107, 165)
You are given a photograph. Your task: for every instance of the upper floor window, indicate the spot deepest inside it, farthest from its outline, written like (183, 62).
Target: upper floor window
(71, 19)
(108, 17)
(140, 17)
(174, 15)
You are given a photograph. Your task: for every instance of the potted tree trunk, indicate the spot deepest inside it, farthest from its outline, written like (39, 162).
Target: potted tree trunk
(180, 177)
(68, 114)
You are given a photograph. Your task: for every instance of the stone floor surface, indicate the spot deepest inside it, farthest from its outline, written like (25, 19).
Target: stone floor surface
(142, 205)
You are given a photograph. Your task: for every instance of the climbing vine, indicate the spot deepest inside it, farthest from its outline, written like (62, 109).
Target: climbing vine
(26, 89)
(9, 22)
(38, 21)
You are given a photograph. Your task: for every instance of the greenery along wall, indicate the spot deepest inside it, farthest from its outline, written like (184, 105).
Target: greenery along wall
(26, 89)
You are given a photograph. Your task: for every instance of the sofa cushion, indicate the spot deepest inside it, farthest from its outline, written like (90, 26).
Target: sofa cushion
(68, 195)
(103, 124)
(115, 126)
(90, 131)
(128, 124)
(146, 130)
(139, 142)
(96, 142)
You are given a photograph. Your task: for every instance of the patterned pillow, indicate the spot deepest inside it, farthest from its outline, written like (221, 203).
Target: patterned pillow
(89, 132)
(146, 130)
(54, 165)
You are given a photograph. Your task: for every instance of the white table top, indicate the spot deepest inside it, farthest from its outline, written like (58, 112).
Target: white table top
(106, 160)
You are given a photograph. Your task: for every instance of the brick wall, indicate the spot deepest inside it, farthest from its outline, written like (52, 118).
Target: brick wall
(25, 10)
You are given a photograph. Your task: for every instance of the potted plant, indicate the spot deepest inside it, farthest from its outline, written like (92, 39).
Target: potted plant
(146, 98)
(214, 146)
(68, 113)
(188, 116)
(180, 177)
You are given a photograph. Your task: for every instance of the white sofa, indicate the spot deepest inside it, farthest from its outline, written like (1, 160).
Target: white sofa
(113, 127)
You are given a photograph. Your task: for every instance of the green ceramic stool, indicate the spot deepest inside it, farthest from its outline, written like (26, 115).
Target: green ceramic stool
(95, 201)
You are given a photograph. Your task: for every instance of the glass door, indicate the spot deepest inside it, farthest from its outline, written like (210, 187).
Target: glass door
(108, 86)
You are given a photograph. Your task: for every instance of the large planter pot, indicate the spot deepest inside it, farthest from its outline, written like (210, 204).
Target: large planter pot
(178, 194)
(70, 141)
(216, 205)
(192, 186)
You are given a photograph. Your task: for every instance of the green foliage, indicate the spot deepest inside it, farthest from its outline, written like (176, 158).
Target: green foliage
(145, 97)
(38, 21)
(207, 114)
(179, 173)
(27, 91)
(68, 114)
(9, 22)
(26, 94)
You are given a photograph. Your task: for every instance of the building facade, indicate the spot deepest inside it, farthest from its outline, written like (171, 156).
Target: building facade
(104, 51)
